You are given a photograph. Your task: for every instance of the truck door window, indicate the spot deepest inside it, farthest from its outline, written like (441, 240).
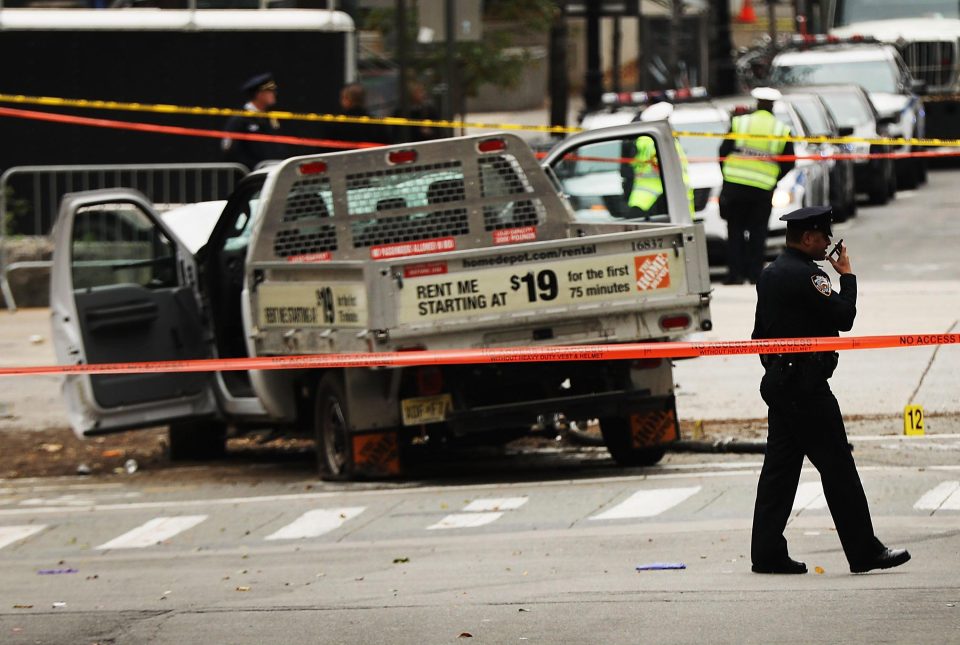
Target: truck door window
(613, 180)
(119, 244)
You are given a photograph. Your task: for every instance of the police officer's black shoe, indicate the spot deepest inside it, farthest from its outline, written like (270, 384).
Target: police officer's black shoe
(886, 559)
(787, 565)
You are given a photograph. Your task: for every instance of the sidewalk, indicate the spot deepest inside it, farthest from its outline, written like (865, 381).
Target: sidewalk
(868, 382)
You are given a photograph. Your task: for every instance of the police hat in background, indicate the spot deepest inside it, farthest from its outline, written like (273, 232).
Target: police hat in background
(810, 218)
(259, 83)
(766, 94)
(657, 112)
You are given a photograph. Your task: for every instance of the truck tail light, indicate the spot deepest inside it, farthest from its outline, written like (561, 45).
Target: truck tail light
(429, 380)
(678, 321)
(492, 145)
(313, 168)
(402, 156)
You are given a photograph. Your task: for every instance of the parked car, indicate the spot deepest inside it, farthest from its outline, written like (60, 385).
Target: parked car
(852, 108)
(843, 192)
(881, 71)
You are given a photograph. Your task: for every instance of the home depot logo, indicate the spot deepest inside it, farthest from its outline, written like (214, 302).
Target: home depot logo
(653, 271)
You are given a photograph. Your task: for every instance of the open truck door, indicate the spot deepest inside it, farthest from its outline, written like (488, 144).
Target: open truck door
(124, 289)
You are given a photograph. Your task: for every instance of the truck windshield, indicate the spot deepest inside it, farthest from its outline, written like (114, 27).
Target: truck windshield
(873, 75)
(848, 109)
(853, 11)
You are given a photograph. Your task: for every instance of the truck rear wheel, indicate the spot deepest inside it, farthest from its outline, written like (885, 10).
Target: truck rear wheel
(197, 440)
(618, 437)
(332, 430)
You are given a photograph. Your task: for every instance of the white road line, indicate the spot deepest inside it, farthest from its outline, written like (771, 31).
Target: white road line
(809, 497)
(465, 521)
(647, 503)
(156, 530)
(315, 523)
(495, 504)
(11, 534)
(944, 496)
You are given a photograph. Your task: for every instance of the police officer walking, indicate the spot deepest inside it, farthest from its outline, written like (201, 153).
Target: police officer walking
(261, 90)
(749, 178)
(795, 299)
(642, 176)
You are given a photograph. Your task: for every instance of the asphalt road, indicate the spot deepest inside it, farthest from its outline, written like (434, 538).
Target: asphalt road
(546, 559)
(526, 548)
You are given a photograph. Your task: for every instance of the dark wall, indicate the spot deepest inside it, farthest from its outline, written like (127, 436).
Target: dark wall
(180, 68)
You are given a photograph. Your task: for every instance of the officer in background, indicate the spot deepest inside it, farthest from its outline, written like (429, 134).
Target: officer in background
(646, 197)
(261, 91)
(353, 103)
(795, 299)
(748, 184)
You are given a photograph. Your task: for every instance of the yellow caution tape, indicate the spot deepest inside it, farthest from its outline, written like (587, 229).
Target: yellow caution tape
(159, 108)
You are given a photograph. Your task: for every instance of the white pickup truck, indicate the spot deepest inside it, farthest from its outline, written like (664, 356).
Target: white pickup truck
(456, 243)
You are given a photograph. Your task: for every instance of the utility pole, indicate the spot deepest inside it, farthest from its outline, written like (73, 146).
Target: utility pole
(772, 20)
(615, 57)
(673, 55)
(401, 28)
(593, 80)
(450, 70)
(722, 79)
(559, 84)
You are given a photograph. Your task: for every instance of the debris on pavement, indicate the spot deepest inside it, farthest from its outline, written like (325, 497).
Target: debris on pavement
(403, 560)
(465, 635)
(54, 572)
(36, 339)
(661, 566)
(83, 469)
(51, 447)
(243, 588)
(23, 606)
(819, 570)
(130, 466)
(59, 604)
(522, 609)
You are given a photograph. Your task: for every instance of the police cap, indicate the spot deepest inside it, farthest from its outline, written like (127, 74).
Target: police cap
(766, 94)
(259, 83)
(810, 218)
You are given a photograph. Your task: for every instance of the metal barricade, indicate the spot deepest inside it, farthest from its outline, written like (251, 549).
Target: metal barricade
(30, 196)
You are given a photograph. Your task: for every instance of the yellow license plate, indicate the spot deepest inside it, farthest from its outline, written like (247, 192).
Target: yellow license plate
(426, 409)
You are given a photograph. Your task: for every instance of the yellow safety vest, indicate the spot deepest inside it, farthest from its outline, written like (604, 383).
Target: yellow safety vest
(742, 165)
(647, 185)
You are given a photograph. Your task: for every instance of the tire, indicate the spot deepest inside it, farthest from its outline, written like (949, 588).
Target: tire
(197, 440)
(891, 174)
(906, 174)
(619, 441)
(879, 193)
(920, 170)
(331, 430)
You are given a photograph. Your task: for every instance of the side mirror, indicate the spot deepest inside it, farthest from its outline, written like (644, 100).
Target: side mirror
(918, 86)
(845, 132)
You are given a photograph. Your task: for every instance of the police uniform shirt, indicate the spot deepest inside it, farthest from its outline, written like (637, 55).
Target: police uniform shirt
(795, 299)
(250, 153)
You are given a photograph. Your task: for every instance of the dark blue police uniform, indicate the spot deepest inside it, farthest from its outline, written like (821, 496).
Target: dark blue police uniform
(795, 299)
(247, 152)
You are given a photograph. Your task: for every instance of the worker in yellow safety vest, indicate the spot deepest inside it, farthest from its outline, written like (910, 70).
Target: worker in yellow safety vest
(646, 196)
(749, 179)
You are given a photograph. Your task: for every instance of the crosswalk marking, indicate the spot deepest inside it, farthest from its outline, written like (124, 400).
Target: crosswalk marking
(647, 503)
(945, 496)
(11, 534)
(465, 521)
(479, 512)
(809, 497)
(156, 530)
(495, 504)
(315, 523)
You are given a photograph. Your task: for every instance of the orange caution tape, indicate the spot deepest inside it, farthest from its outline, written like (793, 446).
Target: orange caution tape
(626, 351)
(180, 131)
